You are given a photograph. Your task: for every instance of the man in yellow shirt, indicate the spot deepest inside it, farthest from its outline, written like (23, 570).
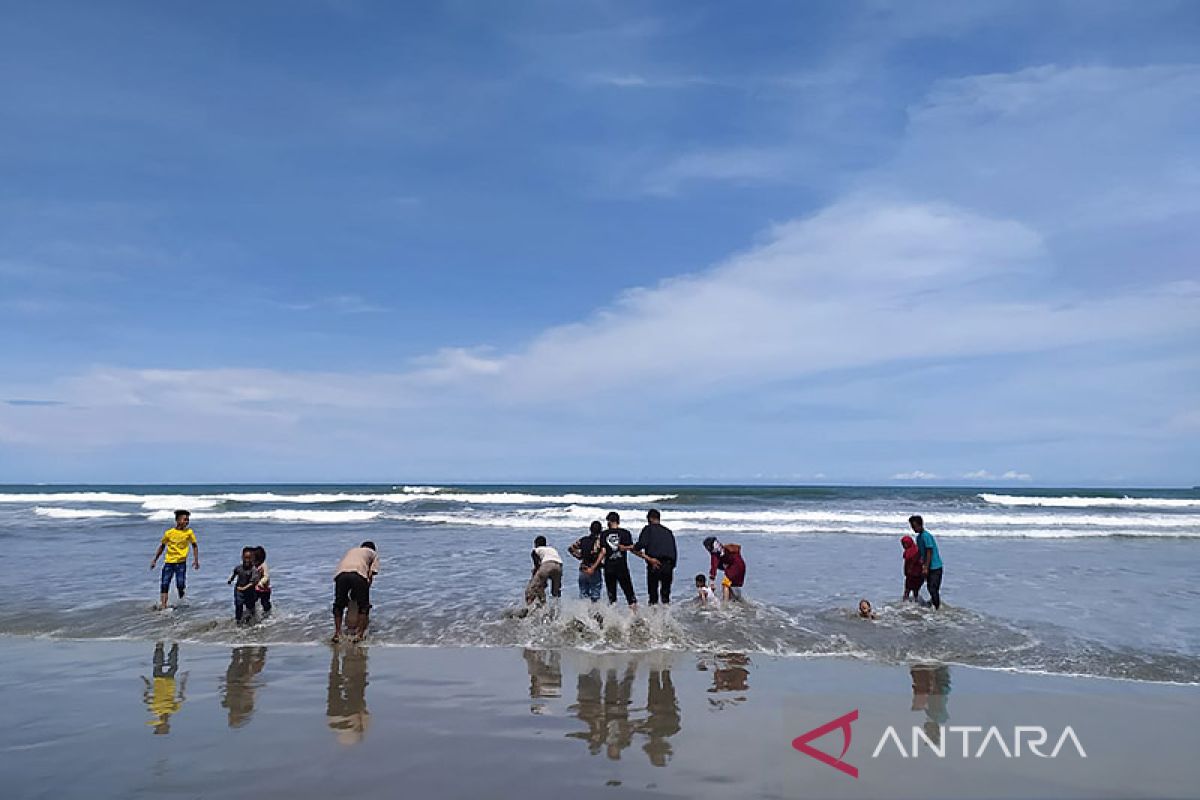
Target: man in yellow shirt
(176, 542)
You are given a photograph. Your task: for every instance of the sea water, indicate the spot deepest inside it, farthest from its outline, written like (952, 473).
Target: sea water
(1099, 583)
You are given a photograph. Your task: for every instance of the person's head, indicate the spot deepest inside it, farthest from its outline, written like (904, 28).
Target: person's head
(907, 542)
(182, 518)
(653, 517)
(539, 541)
(864, 608)
(916, 523)
(596, 528)
(712, 545)
(247, 555)
(700, 582)
(368, 544)
(613, 519)
(260, 556)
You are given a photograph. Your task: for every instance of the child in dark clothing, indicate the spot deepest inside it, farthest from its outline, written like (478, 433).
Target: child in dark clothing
(246, 575)
(913, 577)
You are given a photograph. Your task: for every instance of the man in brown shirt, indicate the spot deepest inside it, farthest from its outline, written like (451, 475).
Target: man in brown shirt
(352, 581)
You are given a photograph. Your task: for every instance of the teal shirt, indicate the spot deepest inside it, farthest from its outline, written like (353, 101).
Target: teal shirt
(925, 541)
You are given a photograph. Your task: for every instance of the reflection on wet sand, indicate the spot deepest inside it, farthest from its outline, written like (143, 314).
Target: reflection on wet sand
(662, 717)
(604, 703)
(730, 677)
(930, 693)
(545, 676)
(162, 696)
(241, 682)
(346, 709)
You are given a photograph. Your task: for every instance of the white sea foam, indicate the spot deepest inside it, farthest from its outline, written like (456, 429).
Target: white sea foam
(1092, 502)
(72, 497)
(531, 521)
(421, 489)
(77, 513)
(281, 515)
(583, 514)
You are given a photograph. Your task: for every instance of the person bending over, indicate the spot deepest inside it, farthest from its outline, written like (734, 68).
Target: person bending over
(352, 581)
(547, 568)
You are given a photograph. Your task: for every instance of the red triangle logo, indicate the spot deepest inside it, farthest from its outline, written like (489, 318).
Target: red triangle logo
(842, 723)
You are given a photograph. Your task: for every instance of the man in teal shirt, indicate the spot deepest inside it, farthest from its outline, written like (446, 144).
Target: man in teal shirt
(931, 560)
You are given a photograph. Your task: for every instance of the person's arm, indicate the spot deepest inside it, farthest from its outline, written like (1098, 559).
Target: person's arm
(195, 553)
(576, 549)
(232, 575)
(265, 580)
(596, 564)
(714, 562)
(161, 546)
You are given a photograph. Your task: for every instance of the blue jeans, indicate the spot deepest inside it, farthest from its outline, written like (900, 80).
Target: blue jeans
(179, 570)
(590, 586)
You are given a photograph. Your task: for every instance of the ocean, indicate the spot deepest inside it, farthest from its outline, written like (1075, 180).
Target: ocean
(1063, 581)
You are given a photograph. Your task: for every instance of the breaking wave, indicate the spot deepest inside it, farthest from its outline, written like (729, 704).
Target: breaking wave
(1091, 502)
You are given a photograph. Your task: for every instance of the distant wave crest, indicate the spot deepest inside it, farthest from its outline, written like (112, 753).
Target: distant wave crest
(1091, 502)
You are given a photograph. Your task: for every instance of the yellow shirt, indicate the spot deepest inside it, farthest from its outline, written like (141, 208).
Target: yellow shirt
(178, 542)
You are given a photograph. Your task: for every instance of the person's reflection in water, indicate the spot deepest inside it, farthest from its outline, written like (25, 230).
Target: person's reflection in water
(347, 706)
(545, 676)
(240, 683)
(162, 696)
(662, 717)
(604, 708)
(930, 691)
(730, 676)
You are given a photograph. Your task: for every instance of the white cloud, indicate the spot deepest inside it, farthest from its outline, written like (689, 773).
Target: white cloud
(915, 475)
(1011, 475)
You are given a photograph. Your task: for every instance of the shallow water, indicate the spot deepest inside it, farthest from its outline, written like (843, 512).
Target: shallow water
(1060, 581)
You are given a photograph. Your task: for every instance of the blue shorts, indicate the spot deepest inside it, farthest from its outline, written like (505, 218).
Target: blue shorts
(179, 570)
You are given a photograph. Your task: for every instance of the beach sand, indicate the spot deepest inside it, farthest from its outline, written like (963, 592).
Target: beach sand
(133, 719)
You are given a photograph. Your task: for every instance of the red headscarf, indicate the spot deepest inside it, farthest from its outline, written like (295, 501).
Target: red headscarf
(910, 547)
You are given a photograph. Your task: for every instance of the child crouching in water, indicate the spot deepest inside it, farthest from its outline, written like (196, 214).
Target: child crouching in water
(246, 575)
(705, 596)
(263, 587)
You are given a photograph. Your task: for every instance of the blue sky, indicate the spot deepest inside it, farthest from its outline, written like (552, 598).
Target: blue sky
(778, 242)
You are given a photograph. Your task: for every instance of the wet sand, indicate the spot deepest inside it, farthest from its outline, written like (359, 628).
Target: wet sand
(136, 719)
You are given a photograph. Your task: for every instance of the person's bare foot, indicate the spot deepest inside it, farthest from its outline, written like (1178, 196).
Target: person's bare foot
(336, 639)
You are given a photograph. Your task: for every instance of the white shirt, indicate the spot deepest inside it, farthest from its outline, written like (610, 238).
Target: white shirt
(547, 554)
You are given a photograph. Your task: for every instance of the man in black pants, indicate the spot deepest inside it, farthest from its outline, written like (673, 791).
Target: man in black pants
(352, 581)
(656, 545)
(931, 559)
(617, 543)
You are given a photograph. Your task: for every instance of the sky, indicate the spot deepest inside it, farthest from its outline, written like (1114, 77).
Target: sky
(825, 242)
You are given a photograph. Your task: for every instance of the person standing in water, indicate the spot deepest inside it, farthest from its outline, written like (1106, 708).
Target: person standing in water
(617, 543)
(656, 545)
(352, 581)
(931, 559)
(590, 552)
(176, 543)
(914, 575)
